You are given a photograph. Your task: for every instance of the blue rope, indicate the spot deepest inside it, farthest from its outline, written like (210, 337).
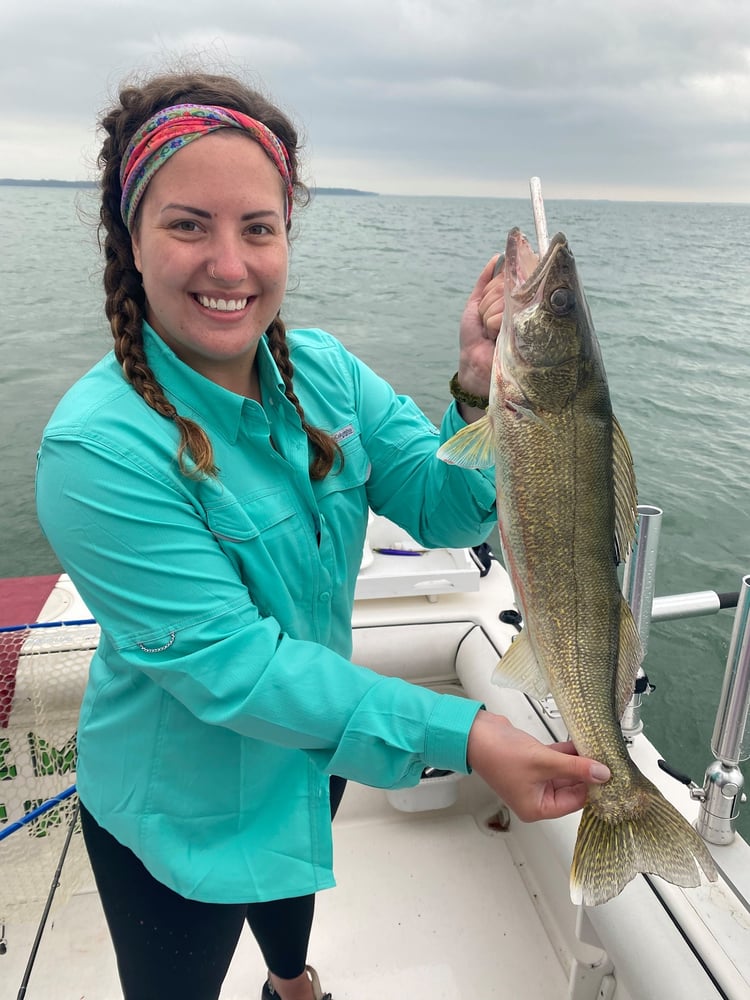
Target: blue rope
(39, 811)
(21, 628)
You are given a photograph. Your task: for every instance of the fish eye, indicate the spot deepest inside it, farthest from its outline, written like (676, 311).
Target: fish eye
(562, 301)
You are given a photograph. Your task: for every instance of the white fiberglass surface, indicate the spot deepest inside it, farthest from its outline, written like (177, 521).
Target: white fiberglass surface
(428, 905)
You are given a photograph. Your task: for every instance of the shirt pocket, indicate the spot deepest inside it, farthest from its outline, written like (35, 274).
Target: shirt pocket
(352, 476)
(268, 513)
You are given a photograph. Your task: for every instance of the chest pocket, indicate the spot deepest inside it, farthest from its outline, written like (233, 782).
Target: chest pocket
(353, 475)
(269, 513)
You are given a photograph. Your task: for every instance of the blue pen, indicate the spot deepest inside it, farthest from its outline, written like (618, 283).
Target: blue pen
(398, 552)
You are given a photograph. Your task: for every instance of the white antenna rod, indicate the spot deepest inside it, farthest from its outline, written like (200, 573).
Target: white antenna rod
(540, 221)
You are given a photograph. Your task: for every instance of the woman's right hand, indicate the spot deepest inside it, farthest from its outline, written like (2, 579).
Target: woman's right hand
(537, 780)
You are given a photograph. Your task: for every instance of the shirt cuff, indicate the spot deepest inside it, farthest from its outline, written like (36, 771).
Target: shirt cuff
(452, 421)
(447, 737)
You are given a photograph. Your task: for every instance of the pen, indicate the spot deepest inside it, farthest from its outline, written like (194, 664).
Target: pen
(398, 552)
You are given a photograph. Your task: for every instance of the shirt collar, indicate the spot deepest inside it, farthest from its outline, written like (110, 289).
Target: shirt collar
(197, 397)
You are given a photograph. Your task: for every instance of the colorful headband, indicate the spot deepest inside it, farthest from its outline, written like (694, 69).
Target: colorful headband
(172, 128)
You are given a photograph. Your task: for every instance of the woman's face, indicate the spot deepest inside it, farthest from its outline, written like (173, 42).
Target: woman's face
(210, 243)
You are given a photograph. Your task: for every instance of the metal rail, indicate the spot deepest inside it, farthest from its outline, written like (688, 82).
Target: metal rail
(692, 605)
(722, 788)
(721, 793)
(638, 585)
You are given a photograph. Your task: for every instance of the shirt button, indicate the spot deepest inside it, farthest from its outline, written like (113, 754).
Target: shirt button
(325, 596)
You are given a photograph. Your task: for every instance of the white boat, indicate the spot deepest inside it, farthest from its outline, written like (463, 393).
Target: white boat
(437, 896)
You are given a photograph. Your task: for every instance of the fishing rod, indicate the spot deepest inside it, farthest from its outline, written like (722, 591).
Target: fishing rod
(40, 810)
(48, 905)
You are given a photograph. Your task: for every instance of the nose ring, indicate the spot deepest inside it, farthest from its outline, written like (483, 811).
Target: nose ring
(212, 272)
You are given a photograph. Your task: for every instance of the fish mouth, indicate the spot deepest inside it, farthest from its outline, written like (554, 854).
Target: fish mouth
(521, 262)
(527, 275)
(546, 324)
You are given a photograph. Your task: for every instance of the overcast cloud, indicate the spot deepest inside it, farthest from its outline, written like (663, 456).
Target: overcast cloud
(601, 98)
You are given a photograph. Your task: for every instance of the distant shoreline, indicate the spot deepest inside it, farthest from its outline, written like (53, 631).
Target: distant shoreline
(21, 182)
(356, 192)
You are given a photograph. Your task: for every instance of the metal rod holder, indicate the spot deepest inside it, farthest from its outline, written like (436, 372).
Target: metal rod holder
(722, 789)
(638, 585)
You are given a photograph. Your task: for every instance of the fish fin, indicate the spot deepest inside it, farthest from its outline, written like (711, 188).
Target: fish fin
(520, 669)
(626, 493)
(472, 447)
(656, 840)
(629, 658)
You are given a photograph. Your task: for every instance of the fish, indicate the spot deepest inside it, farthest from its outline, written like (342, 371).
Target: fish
(567, 516)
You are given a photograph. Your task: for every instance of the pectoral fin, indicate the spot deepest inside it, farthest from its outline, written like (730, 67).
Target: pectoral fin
(520, 669)
(472, 447)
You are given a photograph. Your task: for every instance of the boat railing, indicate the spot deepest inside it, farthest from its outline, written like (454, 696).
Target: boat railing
(721, 793)
(722, 787)
(638, 586)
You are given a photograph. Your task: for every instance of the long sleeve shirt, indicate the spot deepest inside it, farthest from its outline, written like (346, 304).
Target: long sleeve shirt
(221, 696)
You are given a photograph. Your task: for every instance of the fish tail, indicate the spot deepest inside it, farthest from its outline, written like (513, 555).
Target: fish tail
(655, 839)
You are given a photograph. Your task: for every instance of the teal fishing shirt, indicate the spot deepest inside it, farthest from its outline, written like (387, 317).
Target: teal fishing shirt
(221, 696)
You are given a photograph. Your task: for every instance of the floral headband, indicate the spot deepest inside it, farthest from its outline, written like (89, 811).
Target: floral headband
(172, 128)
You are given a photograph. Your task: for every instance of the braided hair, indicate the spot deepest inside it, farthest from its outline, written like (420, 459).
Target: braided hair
(125, 303)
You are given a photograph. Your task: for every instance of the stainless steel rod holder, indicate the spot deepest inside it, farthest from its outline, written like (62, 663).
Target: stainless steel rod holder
(638, 585)
(722, 788)
(731, 715)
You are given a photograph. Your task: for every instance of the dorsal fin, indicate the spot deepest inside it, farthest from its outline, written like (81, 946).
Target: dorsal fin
(626, 494)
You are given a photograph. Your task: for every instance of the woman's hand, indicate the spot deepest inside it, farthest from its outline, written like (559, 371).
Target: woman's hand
(537, 781)
(480, 325)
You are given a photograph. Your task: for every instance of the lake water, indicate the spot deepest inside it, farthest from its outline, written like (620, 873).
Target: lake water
(669, 290)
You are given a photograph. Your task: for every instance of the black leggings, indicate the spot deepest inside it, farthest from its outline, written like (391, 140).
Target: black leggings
(167, 945)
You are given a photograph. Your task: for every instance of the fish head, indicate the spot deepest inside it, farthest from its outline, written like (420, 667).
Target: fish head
(546, 344)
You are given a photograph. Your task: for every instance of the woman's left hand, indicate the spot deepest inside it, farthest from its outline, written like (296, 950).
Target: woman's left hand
(480, 326)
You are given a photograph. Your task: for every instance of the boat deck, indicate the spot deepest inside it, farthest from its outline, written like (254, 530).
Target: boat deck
(428, 904)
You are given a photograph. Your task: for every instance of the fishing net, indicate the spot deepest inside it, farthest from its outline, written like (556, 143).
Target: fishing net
(43, 672)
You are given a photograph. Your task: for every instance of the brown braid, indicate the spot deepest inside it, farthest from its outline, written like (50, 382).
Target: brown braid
(125, 304)
(325, 448)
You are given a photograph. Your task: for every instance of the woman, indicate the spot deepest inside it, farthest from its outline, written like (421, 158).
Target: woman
(206, 486)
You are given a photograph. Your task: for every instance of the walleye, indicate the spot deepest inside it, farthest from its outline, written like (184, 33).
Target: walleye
(566, 501)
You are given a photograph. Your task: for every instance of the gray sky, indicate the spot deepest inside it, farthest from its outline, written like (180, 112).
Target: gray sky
(644, 99)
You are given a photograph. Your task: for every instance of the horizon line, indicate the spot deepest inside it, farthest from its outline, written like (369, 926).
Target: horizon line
(343, 190)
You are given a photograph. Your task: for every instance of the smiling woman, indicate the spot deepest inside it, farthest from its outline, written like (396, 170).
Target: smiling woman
(153, 124)
(207, 487)
(210, 242)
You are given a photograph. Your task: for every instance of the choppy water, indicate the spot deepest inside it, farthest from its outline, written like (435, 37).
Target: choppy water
(669, 290)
